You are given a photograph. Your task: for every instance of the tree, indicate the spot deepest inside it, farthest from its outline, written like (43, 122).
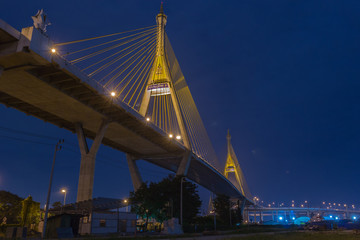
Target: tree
(162, 200)
(57, 204)
(222, 208)
(10, 207)
(30, 212)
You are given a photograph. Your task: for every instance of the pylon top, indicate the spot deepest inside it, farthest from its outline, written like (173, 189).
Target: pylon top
(161, 8)
(228, 135)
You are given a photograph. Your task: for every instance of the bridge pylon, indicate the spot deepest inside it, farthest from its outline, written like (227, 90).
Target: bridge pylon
(232, 167)
(159, 82)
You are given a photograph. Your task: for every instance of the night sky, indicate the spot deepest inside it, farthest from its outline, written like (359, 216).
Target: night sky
(282, 75)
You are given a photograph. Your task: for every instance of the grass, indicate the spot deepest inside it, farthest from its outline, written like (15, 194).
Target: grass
(300, 236)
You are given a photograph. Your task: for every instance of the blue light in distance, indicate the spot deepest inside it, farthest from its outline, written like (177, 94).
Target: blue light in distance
(354, 217)
(293, 218)
(330, 216)
(280, 218)
(336, 218)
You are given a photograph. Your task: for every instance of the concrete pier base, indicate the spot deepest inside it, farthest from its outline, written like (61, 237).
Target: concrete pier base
(134, 172)
(88, 157)
(184, 164)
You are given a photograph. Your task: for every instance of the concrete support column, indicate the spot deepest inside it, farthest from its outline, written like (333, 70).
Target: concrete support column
(242, 210)
(88, 157)
(184, 164)
(134, 172)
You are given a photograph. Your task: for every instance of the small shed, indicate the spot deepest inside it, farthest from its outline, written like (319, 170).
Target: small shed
(95, 216)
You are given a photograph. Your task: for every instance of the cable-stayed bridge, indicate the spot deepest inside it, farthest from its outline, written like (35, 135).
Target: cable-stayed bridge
(125, 90)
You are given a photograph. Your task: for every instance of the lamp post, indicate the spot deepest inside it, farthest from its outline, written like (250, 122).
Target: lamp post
(64, 191)
(127, 204)
(57, 148)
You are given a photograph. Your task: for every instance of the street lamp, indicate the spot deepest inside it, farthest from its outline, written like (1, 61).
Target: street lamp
(64, 191)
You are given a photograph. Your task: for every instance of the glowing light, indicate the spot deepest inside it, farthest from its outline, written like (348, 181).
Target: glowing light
(336, 218)
(178, 137)
(53, 50)
(63, 190)
(148, 119)
(171, 136)
(280, 218)
(330, 216)
(125, 201)
(113, 94)
(354, 217)
(293, 218)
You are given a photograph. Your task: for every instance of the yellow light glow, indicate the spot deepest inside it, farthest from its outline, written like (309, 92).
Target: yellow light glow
(53, 50)
(170, 136)
(148, 119)
(125, 201)
(63, 190)
(113, 94)
(178, 137)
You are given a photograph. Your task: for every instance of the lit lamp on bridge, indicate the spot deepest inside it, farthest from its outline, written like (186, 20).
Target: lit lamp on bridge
(171, 136)
(178, 137)
(113, 94)
(53, 50)
(148, 119)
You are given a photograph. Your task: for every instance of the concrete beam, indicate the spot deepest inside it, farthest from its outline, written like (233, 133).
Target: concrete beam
(184, 164)
(134, 172)
(88, 157)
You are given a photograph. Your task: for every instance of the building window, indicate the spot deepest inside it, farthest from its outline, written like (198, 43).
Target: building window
(102, 223)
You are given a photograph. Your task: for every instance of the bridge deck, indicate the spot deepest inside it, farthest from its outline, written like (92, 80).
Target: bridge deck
(47, 87)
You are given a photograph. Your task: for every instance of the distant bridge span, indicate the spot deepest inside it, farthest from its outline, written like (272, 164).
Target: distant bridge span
(44, 85)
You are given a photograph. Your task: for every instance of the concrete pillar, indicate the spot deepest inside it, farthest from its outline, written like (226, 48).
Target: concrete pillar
(88, 157)
(184, 164)
(242, 210)
(134, 172)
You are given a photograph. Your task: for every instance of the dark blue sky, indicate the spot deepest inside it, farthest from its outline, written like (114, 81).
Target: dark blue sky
(282, 75)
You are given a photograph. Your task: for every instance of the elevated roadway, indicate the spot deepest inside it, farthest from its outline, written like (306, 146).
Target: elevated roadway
(42, 84)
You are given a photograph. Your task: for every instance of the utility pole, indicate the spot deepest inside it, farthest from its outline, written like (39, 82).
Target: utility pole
(181, 200)
(214, 214)
(57, 148)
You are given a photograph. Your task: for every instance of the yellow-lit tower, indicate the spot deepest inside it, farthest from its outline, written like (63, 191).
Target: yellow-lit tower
(160, 82)
(232, 167)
